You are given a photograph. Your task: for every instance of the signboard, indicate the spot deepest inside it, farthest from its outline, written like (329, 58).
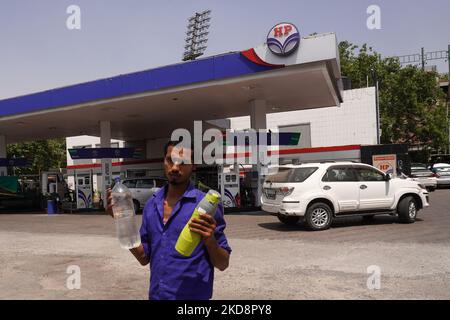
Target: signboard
(274, 138)
(105, 153)
(283, 39)
(14, 162)
(386, 163)
(304, 132)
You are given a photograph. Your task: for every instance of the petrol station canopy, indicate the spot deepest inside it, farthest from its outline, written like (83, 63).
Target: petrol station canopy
(152, 103)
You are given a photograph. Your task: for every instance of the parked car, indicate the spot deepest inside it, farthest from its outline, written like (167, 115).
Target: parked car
(424, 176)
(321, 192)
(440, 158)
(435, 166)
(142, 188)
(442, 172)
(418, 166)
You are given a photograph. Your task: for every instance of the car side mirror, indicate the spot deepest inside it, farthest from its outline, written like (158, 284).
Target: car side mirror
(387, 177)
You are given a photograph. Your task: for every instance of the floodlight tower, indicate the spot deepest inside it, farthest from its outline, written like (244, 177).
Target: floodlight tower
(197, 35)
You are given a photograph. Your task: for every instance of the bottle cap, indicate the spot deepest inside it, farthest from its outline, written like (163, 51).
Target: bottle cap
(213, 196)
(117, 179)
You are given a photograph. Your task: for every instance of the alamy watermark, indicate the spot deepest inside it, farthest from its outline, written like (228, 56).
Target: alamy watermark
(251, 147)
(374, 280)
(73, 21)
(73, 281)
(374, 20)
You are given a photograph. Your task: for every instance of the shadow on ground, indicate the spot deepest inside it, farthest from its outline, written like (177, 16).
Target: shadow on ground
(337, 223)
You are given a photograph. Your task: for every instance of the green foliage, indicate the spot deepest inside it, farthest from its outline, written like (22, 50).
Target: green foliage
(443, 77)
(44, 155)
(412, 106)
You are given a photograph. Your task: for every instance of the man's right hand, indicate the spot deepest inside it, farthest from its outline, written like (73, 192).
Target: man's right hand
(109, 204)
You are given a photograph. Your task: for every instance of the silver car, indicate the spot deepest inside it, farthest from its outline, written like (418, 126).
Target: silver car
(142, 188)
(425, 177)
(443, 175)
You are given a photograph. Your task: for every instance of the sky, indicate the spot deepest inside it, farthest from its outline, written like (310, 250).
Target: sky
(38, 52)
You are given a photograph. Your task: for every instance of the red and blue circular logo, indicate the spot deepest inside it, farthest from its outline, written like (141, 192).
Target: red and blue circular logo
(283, 39)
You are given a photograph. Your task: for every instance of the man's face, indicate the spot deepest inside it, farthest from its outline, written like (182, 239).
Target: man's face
(177, 165)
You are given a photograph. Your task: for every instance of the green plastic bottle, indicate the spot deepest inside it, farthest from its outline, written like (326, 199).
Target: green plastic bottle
(188, 240)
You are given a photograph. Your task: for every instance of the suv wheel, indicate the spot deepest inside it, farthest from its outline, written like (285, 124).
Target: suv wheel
(318, 216)
(407, 210)
(290, 221)
(136, 206)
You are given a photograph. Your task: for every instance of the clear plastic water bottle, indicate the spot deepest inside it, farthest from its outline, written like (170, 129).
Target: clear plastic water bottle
(124, 215)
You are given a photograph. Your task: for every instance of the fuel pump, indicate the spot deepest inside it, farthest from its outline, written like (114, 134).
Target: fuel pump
(84, 190)
(229, 185)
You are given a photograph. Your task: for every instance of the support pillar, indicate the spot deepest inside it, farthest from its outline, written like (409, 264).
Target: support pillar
(3, 170)
(258, 120)
(105, 142)
(44, 183)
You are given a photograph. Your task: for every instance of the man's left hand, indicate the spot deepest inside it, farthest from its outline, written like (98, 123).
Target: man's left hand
(205, 226)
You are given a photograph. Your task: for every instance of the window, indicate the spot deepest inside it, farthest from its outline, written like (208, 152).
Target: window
(443, 171)
(130, 183)
(145, 183)
(340, 174)
(418, 166)
(291, 175)
(135, 173)
(369, 174)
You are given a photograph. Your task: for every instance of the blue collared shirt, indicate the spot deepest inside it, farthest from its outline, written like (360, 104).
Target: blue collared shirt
(173, 276)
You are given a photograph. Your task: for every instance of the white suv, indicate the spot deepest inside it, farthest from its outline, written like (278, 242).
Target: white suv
(320, 192)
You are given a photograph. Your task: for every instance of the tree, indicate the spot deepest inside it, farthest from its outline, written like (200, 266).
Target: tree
(412, 106)
(43, 155)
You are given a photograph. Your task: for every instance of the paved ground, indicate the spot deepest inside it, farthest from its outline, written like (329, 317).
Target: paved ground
(269, 260)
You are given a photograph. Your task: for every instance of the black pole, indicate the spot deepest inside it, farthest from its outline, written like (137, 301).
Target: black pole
(377, 103)
(423, 59)
(448, 97)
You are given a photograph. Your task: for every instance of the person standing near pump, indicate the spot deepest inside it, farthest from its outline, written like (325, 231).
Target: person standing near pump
(174, 276)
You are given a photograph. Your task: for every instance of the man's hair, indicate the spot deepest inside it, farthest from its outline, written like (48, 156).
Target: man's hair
(173, 143)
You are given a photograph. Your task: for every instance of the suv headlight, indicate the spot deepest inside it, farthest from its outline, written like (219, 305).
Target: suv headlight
(422, 186)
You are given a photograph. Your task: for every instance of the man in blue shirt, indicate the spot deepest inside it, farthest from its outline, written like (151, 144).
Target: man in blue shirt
(173, 276)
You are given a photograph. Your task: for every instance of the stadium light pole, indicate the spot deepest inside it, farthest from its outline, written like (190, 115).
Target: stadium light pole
(197, 35)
